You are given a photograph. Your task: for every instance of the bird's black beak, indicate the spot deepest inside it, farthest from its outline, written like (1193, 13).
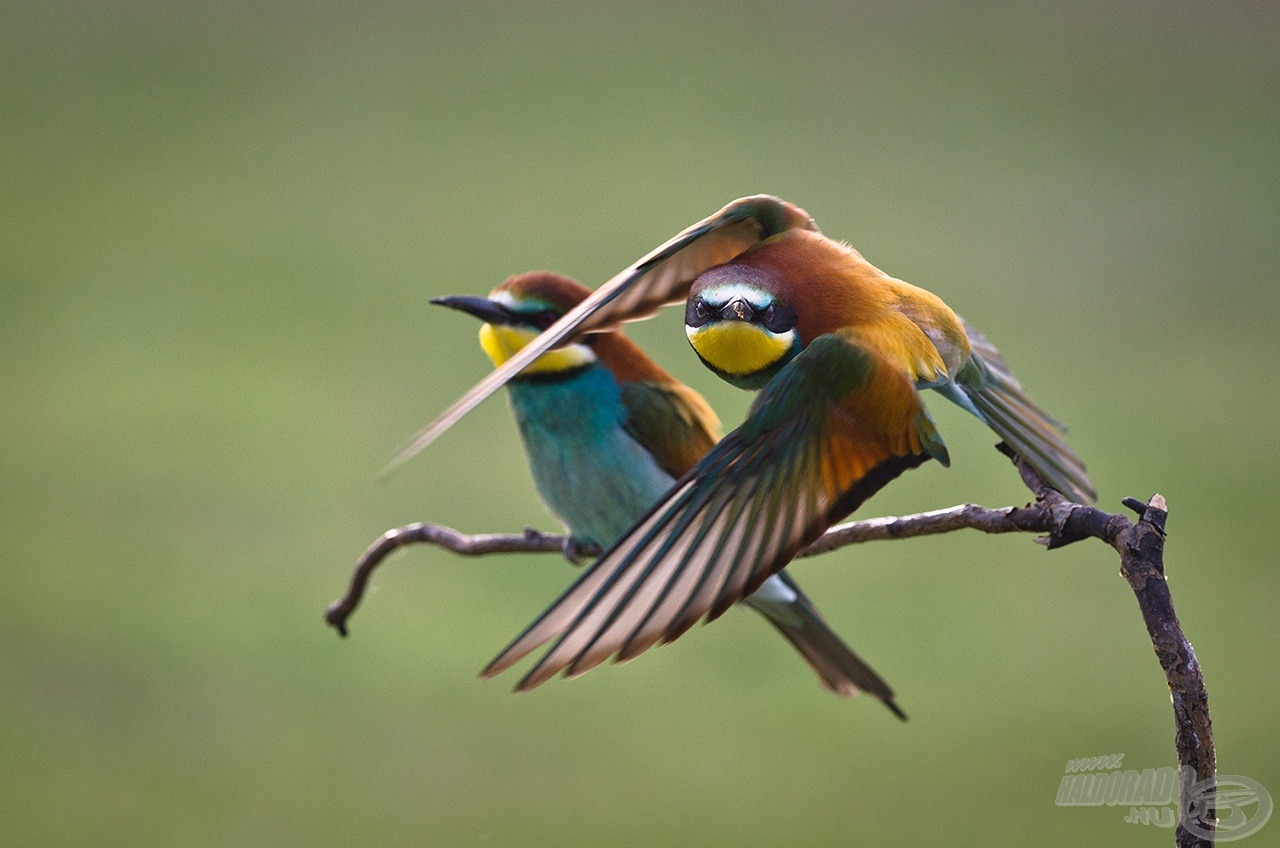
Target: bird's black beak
(483, 308)
(737, 310)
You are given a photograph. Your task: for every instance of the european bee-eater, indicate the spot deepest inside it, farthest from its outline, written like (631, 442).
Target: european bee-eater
(607, 432)
(840, 350)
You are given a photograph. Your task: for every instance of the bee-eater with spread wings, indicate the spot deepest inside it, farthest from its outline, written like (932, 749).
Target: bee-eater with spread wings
(607, 432)
(840, 350)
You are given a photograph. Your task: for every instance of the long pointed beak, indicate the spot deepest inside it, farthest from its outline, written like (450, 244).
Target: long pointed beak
(483, 308)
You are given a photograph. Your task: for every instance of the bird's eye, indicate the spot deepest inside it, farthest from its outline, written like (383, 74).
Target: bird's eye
(778, 319)
(697, 312)
(544, 319)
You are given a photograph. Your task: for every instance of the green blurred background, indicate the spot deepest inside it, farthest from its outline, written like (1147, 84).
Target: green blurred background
(220, 225)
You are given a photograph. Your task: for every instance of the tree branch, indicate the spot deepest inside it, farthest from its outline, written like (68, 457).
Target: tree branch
(1007, 519)
(1140, 545)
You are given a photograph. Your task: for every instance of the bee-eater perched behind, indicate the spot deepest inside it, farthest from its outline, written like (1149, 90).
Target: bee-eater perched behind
(840, 350)
(607, 432)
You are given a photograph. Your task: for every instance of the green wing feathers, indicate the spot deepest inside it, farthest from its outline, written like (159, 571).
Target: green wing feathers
(671, 421)
(1000, 400)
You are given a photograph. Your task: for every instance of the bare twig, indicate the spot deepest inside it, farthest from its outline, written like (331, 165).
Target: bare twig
(1009, 519)
(530, 541)
(1140, 545)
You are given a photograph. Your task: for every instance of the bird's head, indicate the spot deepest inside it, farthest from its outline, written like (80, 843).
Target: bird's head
(517, 311)
(740, 319)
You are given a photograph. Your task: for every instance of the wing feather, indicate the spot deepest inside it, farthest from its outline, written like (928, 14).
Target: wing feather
(562, 614)
(694, 572)
(670, 421)
(633, 610)
(754, 528)
(718, 571)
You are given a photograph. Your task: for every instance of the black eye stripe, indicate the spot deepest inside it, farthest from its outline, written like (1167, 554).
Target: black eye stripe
(774, 317)
(778, 319)
(538, 320)
(697, 312)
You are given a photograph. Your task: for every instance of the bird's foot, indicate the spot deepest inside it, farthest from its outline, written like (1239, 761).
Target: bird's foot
(574, 551)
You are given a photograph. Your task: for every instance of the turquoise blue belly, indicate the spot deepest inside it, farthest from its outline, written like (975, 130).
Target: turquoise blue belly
(589, 471)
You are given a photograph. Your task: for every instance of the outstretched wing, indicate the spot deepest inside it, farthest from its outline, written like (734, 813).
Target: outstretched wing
(662, 277)
(827, 432)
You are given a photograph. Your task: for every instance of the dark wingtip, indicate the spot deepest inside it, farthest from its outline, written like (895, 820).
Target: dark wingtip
(894, 708)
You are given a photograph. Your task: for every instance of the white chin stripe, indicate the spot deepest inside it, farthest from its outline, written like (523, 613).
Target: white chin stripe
(728, 292)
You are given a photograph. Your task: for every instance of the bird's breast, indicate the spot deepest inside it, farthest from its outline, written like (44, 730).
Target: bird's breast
(587, 469)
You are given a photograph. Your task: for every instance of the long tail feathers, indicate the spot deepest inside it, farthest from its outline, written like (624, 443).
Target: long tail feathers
(1000, 400)
(837, 666)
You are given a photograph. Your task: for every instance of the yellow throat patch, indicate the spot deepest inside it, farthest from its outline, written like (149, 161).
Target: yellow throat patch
(501, 343)
(736, 347)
